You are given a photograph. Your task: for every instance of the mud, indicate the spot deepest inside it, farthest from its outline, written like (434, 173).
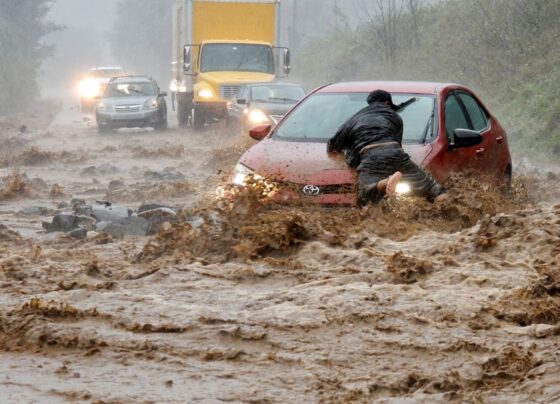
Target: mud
(255, 302)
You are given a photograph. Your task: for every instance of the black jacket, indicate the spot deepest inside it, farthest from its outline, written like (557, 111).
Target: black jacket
(376, 123)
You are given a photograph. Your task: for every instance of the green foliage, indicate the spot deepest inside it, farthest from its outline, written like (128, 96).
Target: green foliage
(506, 50)
(23, 25)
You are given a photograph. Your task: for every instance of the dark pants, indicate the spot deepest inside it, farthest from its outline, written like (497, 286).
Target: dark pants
(379, 163)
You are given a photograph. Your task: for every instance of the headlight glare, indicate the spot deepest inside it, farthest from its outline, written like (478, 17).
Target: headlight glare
(89, 88)
(403, 188)
(258, 117)
(206, 93)
(241, 174)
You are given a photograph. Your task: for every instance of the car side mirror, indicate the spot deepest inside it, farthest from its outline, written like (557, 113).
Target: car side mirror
(287, 62)
(465, 138)
(242, 101)
(163, 94)
(187, 64)
(260, 132)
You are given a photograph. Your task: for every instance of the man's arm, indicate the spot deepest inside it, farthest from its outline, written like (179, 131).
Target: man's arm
(339, 142)
(399, 129)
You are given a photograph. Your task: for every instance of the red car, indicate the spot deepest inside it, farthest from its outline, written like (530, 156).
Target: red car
(446, 128)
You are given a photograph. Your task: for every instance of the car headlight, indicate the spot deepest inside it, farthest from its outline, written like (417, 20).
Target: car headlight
(152, 104)
(258, 117)
(206, 93)
(89, 88)
(242, 173)
(403, 188)
(101, 107)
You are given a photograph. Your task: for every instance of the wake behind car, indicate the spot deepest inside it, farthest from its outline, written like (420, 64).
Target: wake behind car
(93, 84)
(131, 102)
(264, 103)
(446, 129)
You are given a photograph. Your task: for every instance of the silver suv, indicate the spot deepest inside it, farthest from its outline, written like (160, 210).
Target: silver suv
(131, 102)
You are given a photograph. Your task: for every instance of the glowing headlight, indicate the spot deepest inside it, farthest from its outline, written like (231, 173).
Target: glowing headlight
(101, 107)
(258, 117)
(152, 104)
(89, 88)
(241, 174)
(403, 188)
(205, 93)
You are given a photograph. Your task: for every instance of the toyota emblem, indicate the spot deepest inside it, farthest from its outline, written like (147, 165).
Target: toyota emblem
(311, 190)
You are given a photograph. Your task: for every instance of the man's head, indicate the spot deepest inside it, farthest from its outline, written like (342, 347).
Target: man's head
(383, 97)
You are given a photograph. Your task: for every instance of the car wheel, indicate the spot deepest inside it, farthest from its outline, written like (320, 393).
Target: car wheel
(507, 188)
(161, 125)
(103, 129)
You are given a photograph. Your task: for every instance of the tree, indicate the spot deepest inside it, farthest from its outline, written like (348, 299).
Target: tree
(382, 28)
(23, 25)
(141, 37)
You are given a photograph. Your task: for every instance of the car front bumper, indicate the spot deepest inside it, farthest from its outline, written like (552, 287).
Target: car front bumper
(128, 119)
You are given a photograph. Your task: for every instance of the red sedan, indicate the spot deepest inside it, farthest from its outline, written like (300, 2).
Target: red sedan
(446, 128)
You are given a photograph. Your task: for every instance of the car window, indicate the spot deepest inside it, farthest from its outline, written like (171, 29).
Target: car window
(320, 116)
(129, 90)
(476, 113)
(277, 94)
(454, 116)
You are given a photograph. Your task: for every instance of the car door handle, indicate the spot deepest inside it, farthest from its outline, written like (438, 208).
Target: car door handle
(480, 151)
(500, 140)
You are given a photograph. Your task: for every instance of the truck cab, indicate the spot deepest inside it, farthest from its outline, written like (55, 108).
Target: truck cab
(227, 45)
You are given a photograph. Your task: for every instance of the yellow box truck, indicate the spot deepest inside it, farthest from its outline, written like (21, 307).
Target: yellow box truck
(219, 45)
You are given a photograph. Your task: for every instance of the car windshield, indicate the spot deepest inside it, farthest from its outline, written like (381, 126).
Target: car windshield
(129, 90)
(277, 94)
(237, 57)
(105, 73)
(320, 116)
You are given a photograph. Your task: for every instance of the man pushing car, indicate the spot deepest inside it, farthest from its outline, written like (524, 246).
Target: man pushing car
(372, 142)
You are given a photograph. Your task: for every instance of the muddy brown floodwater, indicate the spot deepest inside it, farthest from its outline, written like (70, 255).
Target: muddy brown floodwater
(404, 302)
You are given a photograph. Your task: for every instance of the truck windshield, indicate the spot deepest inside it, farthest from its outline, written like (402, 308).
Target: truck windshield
(318, 118)
(237, 58)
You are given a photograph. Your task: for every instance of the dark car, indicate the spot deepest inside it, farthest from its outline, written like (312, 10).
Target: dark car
(131, 102)
(446, 128)
(264, 103)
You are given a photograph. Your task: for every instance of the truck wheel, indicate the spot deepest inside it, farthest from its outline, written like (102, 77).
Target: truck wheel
(198, 118)
(184, 107)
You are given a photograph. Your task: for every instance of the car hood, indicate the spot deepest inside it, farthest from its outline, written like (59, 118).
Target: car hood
(308, 163)
(271, 108)
(126, 100)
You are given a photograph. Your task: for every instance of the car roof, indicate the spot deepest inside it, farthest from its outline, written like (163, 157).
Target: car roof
(106, 68)
(132, 79)
(415, 87)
